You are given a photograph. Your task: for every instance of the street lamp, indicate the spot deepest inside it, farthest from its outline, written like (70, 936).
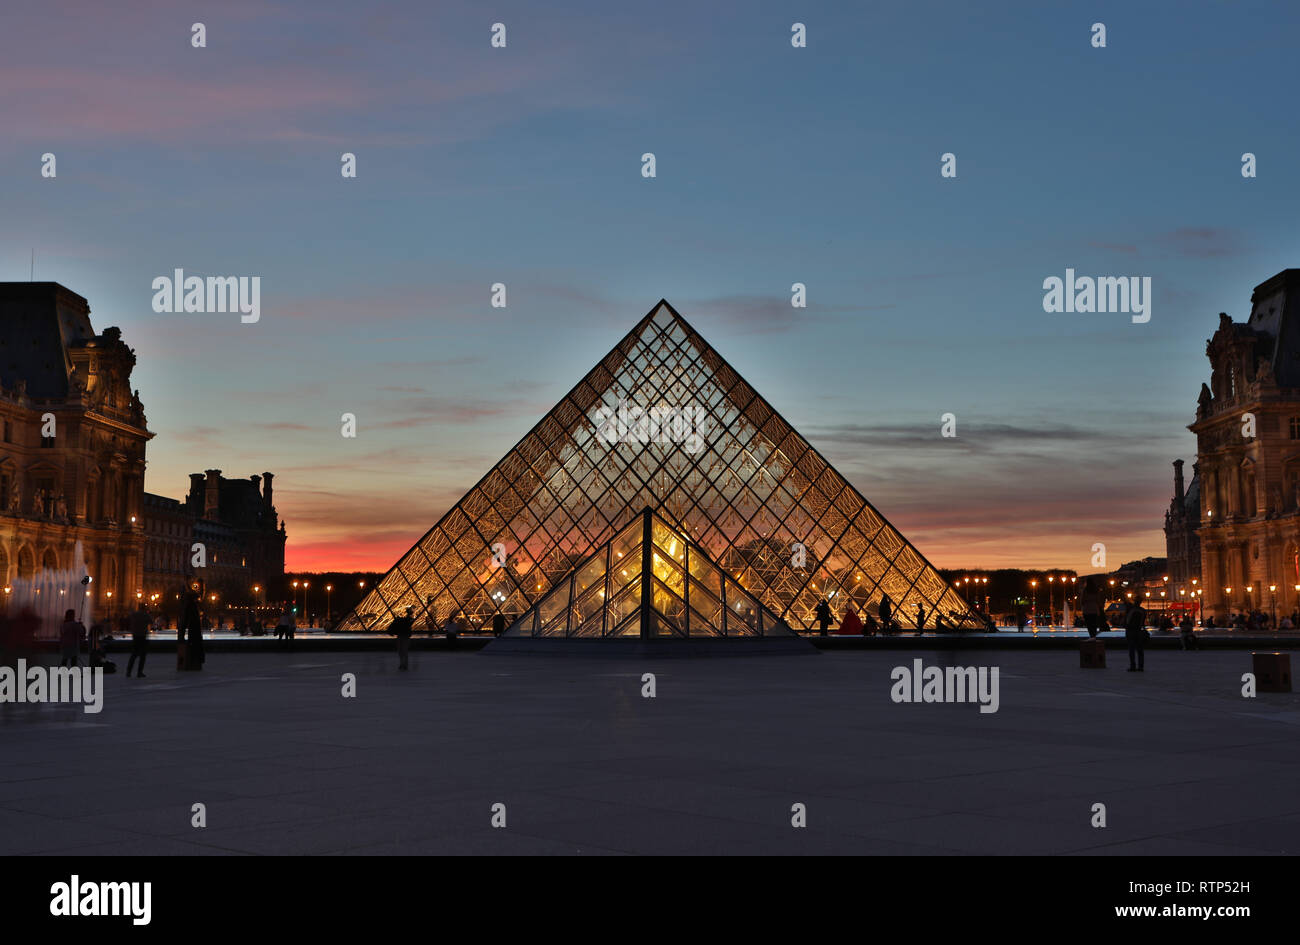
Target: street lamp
(1272, 593)
(1034, 585)
(305, 585)
(1051, 610)
(328, 589)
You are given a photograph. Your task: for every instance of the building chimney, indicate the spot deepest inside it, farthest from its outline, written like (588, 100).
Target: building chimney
(1178, 481)
(212, 497)
(194, 501)
(268, 499)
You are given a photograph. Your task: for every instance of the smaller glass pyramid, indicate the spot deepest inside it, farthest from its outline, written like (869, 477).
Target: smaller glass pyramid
(648, 581)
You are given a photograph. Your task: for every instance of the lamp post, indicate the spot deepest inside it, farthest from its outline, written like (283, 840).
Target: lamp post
(328, 589)
(1034, 610)
(305, 585)
(1272, 593)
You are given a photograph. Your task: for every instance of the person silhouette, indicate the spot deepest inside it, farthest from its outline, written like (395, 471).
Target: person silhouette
(139, 626)
(823, 614)
(401, 628)
(70, 634)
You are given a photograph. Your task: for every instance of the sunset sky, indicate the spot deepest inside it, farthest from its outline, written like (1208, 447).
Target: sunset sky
(775, 165)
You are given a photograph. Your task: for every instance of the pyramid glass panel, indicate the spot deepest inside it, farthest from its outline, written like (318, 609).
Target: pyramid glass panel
(662, 422)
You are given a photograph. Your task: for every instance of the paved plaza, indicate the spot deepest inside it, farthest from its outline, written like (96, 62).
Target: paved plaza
(713, 764)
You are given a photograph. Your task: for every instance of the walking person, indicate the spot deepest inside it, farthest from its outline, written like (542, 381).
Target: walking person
(401, 628)
(1135, 634)
(70, 634)
(138, 623)
(824, 618)
(1091, 603)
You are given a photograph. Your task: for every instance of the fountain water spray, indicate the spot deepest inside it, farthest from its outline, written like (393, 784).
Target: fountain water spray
(49, 593)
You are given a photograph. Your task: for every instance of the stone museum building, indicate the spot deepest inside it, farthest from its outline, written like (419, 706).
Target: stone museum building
(242, 536)
(1241, 515)
(72, 455)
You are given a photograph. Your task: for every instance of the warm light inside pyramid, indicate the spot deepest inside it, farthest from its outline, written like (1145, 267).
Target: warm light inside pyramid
(662, 422)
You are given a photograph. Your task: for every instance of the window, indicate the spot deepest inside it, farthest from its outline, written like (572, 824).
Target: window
(9, 432)
(1295, 428)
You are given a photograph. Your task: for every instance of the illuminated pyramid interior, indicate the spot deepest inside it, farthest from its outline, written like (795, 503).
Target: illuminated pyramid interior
(649, 581)
(743, 486)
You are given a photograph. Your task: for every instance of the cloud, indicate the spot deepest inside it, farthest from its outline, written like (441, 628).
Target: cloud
(1201, 242)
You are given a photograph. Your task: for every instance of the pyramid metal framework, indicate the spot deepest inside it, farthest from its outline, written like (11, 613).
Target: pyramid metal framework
(692, 441)
(649, 582)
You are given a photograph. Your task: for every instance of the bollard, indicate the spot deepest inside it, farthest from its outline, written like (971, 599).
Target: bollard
(1092, 654)
(1272, 672)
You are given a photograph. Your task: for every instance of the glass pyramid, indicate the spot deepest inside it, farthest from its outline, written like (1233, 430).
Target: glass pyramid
(649, 581)
(662, 422)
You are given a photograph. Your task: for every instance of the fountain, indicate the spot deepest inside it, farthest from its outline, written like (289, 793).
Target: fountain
(48, 594)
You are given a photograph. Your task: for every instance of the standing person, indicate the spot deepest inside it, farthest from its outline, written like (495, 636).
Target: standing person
(70, 634)
(401, 628)
(1135, 633)
(191, 631)
(920, 619)
(452, 629)
(498, 624)
(1092, 604)
(283, 625)
(1188, 629)
(886, 614)
(139, 626)
(823, 615)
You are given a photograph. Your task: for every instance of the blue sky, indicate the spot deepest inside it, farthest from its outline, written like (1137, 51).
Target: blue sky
(775, 165)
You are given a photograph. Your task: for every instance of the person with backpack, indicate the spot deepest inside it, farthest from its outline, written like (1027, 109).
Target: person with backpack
(1135, 634)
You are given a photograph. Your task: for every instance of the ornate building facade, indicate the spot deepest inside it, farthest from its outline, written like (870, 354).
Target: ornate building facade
(1248, 450)
(72, 456)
